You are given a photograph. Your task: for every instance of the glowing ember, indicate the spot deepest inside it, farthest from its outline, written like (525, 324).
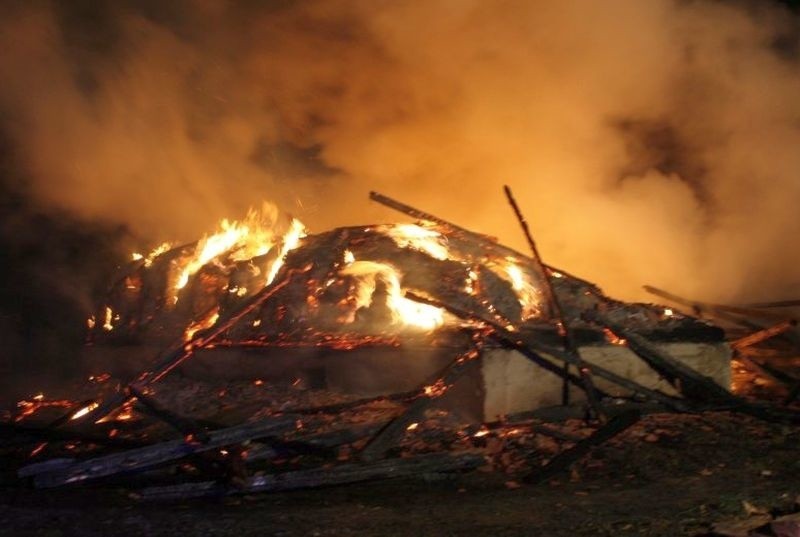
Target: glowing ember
(419, 238)
(470, 285)
(412, 426)
(29, 407)
(613, 338)
(85, 410)
(90, 322)
(348, 257)
(404, 311)
(668, 312)
(206, 322)
(155, 252)
(109, 316)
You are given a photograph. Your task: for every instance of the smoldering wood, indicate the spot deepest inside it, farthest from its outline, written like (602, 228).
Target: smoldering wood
(565, 459)
(186, 426)
(183, 350)
(320, 477)
(390, 435)
(558, 312)
(763, 335)
(150, 456)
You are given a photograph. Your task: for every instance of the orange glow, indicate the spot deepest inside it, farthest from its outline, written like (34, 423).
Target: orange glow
(419, 238)
(613, 338)
(85, 410)
(404, 311)
(206, 322)
(527, 292)
(412, 426)
(253, 236)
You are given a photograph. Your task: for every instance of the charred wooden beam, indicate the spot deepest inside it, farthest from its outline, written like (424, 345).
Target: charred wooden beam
(320, 477)
(390, 435)
(187, 427)
(717, 309)
(9, 429)
(154, 455)
(570, 347)
(691, 384)
(565, 459)
(763, 335)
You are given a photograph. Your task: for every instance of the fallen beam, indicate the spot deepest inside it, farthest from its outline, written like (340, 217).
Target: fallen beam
(763, 335)
(150, 456)
(565, 459)
(320, 477)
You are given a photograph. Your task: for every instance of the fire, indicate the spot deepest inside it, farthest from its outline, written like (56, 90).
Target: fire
(155, 252)
(404, 311)
(527, 292)
(206, 322)
(109, 316)
(291, 240)
(85, 410)
(419, 238)
(254, 236)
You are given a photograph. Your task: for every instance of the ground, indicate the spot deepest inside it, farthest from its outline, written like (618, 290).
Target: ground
(668, 475)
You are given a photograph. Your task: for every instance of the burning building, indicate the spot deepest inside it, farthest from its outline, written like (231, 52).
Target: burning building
(379, 309)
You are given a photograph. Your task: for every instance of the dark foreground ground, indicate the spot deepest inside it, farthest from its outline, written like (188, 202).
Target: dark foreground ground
(668, 475)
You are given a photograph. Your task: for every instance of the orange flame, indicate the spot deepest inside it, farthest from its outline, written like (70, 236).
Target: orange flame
(404, 311)
(419, 238)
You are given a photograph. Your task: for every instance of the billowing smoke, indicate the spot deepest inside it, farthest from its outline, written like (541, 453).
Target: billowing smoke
(648, 141)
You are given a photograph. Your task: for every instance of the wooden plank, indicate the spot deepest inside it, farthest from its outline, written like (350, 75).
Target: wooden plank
(149, 456)
(320, 477)
(763, 335)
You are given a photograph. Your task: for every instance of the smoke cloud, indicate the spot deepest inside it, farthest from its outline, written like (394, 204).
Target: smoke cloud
(647, 141)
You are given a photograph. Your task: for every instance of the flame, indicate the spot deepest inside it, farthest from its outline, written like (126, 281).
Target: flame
(404, 311)
(85, 410)
(613, 338)
(109, 316)
(291, 240)
(252, 237)
(29, 407)
(419, 238)
(668, 312)
(527, 292)
(207, 321)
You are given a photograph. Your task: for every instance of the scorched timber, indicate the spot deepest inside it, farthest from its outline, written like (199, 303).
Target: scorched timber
(570, 347)
(320, 477)
(151, 456)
